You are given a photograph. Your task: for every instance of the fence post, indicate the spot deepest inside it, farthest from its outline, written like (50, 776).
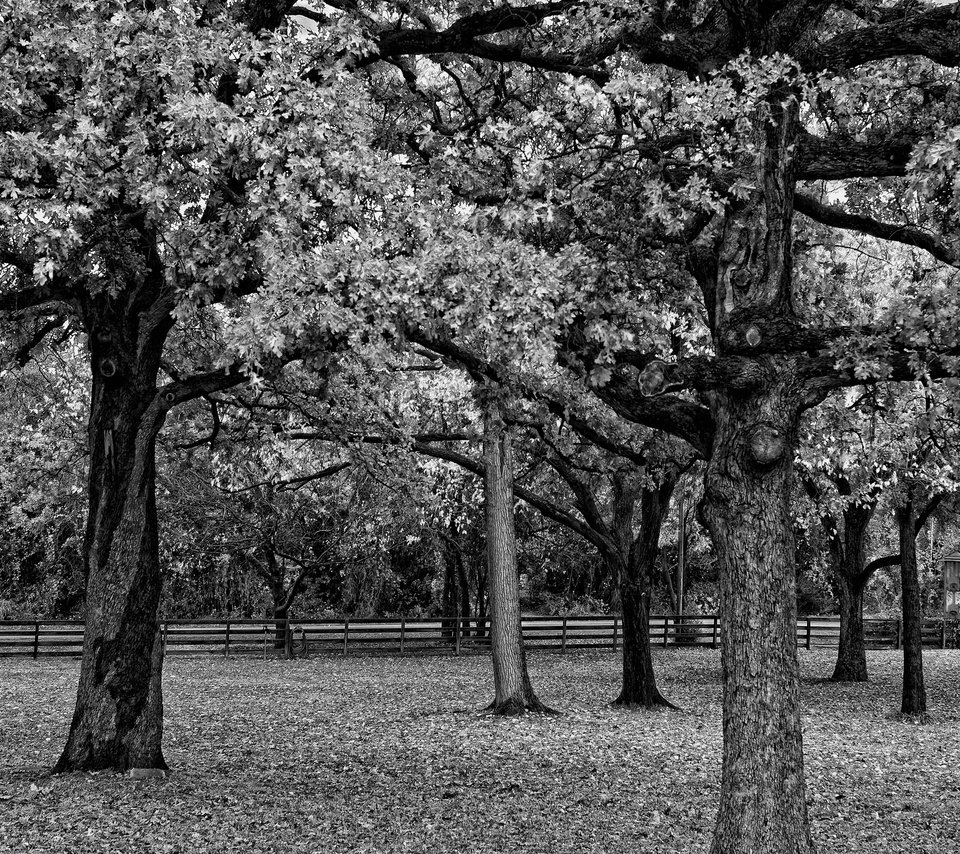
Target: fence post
(346, 633)
(943, 633)
(899, 632)
(665, 624)
(165, 628)
(403, 632)
(808, 633)
(288, 641)
(563, 637)
(36, 638)
(456, 635)
(265, 632)
(716, 625)
(616, 627)
(226, 644)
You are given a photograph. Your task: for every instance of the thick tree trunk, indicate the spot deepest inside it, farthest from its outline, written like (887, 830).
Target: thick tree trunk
(118, 721)
(635, 571)
(639, 686)
(914, 699)
(847, 566)
(513, 692)
(747, 509)
(851, 663)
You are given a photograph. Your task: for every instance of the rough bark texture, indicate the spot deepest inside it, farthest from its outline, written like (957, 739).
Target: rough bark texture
(747, 503)
(118, 721)
(914, 700)
(513, 692)
(747, 509)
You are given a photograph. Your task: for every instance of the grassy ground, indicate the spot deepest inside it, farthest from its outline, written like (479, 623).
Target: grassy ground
(389, 755)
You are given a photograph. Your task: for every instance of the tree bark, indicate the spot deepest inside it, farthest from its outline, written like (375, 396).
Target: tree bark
(849, 576)
(639, 686)
(747, 509)
(635, 571)
(513, 692)
(118, 720)
(851, 663)
(914, 698)
(455, 601)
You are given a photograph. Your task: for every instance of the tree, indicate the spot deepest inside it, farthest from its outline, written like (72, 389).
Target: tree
(846, 465)
(513, 692)
(772, 357)
(633, 493)
(140, 182)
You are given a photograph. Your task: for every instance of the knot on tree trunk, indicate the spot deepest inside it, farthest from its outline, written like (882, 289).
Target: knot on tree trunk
(766, 444)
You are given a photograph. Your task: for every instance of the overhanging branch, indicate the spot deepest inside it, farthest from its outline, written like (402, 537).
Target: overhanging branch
(837, 217)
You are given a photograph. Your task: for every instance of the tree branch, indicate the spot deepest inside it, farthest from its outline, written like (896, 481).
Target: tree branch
(840, 157)
(547, 508)
(928, 511)
(837, 217)
(932, 33)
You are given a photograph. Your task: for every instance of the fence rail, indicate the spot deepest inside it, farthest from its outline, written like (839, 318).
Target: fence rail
(288, 638)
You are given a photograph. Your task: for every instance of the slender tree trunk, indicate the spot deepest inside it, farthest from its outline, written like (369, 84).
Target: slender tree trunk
(747, 509)
(455, 601)
(851, 663)
(464, 592)
(280, 616)
(513, 692)
(914, 700)
(118, 720)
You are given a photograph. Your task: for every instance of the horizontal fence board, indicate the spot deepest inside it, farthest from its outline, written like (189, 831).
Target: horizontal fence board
(437, 635)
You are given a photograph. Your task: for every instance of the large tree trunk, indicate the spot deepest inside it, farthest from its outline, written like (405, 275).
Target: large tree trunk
(118, 721)
(748, 288)
(513, 692)
(914, 699)
(747, 509)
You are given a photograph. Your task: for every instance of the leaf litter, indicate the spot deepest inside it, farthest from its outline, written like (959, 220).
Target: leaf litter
(392, 755)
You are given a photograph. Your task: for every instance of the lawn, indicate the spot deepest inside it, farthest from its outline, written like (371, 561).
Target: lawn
(390, 755)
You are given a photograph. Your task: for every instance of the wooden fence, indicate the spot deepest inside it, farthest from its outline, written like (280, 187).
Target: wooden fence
(400, 636)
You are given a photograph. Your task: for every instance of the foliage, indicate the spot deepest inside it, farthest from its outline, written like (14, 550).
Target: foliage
(41, 487)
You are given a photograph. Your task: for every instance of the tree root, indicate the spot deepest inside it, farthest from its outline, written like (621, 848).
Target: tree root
(658, 700)
(514, 707)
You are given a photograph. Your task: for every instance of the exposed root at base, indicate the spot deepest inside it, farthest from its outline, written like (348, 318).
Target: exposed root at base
(514, 707)
(916, 718)
(846, 676)
(659, 701)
